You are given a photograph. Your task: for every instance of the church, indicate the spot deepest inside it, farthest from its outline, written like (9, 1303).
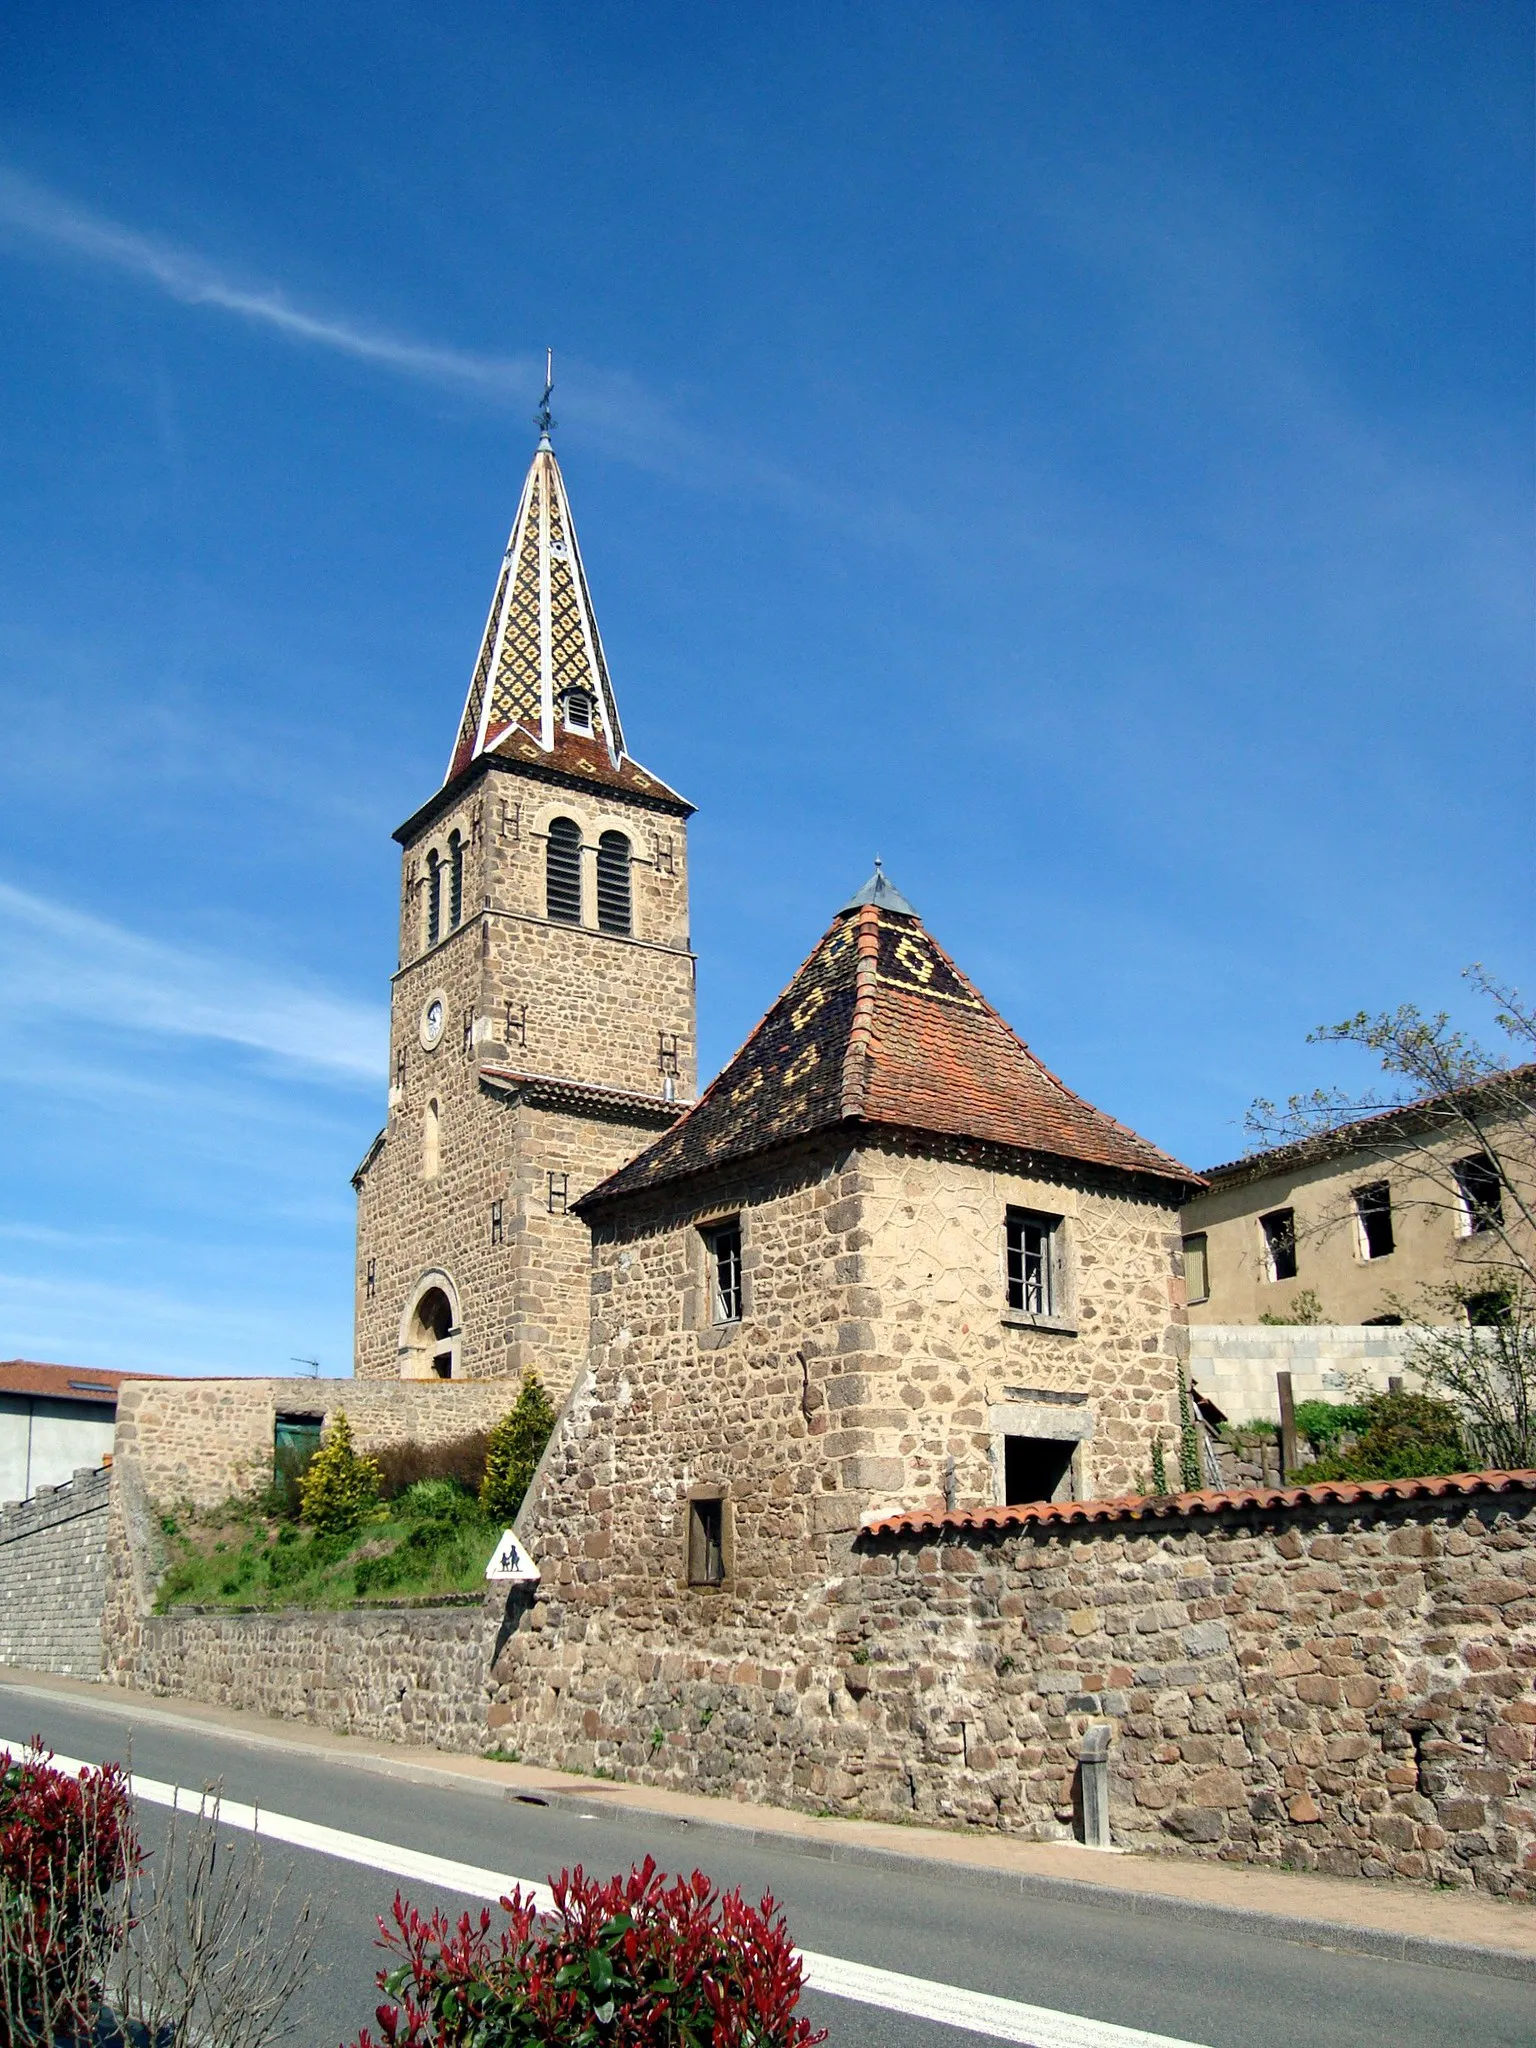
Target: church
(886, 1260)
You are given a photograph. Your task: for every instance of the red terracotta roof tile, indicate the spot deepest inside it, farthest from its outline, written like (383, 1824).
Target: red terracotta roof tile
(1149, 1507)
(880, 1027)
(65, 1382)
(588, 760)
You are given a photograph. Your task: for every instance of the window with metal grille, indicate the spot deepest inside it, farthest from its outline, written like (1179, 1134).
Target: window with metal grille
(1279, 1228)
(723, 1246)
(1197, 1268)
(578, 711)
(1373, 1209)
(562, 871)
(434, 899)
(559, 1193)
(1482, 1194)
(706, 1543)
(1031, 1242)
(613, 890)
(455, 881)
(495, 1223)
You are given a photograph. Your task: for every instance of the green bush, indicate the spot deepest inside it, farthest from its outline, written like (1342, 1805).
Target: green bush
(1403, 1436)
(339, 1490)
(1322, 1423)
(515, 1447)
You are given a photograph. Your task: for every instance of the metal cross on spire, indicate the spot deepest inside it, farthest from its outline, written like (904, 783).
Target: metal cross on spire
(543, 419)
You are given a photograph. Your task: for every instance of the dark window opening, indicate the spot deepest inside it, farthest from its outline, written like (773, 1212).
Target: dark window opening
(496, 1237)
(723, 1245)
(434, 899)
(1031, 1282)
(372, 1279)
(295, 1440)
(706, 1543)
(666, 1052)
(562, 871)
(559, 1193)
(1033, 1468)
(400, 1068)
(1482, 1196)
(1488, 1310)
(1383, 1322)
(1373, 1205)
(1279, 1228)
(1197, 1268)
(614, 907)
(455, 881)
(578, 711)
(517, 1024)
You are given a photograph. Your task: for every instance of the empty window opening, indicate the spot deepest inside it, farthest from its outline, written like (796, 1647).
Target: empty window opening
(578, 711)
(614, 907)
(517, 1024)
(496, 1226)
(372, 1280)
(400, 1068)
(295, 1440)
(562, 871)
(1279, 1228)
(431, 1140)
(1373, 1207)
(434, 898)
(559, 1193)
(1487, 1310)
(1031, 1281)
(1197, 1268)
(455, 881)
(706, 1543)
(432, 1332)
(666, 1052)
(1482, 1195)
(723, 1247)
(1034, 1468)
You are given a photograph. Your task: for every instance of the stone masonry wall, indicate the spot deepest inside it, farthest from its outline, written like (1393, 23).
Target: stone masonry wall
(407, 1674)
(1346, 1688)
(53, 1577)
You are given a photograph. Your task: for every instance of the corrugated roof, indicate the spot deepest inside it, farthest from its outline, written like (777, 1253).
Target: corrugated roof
(880, 1027)
(1147, 1507)
(65, 1382)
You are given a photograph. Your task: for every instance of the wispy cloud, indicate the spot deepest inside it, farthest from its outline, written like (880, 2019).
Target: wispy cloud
(67, 962)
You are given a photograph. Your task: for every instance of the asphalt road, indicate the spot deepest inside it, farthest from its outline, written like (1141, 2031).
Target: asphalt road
(1192, 1982)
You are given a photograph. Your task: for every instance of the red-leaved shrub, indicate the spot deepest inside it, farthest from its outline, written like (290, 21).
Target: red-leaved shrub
(633, 1962)
(66, 1844)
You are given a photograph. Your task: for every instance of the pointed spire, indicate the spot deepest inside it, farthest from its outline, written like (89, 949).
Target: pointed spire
(882, 892)
(541, 642)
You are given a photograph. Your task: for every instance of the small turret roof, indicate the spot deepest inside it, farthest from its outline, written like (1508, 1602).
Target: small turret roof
(880, 1027)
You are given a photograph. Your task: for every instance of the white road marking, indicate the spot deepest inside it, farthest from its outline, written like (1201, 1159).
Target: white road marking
(950, 2005)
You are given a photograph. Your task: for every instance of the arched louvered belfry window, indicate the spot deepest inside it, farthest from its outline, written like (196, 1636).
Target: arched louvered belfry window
(455, 881)
(434, 898)
(562, 871)
(613, 893)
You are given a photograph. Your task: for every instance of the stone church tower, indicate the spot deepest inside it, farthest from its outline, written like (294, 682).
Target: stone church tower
(542, 1018)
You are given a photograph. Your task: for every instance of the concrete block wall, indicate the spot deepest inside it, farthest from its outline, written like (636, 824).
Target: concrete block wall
(1236, 1363)
(53, 1576)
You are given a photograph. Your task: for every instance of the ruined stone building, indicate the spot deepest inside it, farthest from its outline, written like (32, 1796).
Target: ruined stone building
(542, 1018)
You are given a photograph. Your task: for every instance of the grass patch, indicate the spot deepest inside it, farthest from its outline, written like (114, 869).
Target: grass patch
(432, 1539)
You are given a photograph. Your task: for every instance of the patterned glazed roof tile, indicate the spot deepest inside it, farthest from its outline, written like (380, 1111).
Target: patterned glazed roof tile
(586, 760)
(880, 1027)
(1148, 1507)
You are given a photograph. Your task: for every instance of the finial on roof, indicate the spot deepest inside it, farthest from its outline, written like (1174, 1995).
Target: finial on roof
(882, 892)
(543, 419)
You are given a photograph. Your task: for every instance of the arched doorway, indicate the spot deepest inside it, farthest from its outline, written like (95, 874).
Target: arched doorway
(430, 1331)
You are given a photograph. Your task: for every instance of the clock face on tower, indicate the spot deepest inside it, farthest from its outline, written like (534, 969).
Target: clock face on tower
(434, 1011)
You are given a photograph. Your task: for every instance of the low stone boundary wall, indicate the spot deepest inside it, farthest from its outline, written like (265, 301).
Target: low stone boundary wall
(396, 1674)
(53, 1576)
(1331, 1679)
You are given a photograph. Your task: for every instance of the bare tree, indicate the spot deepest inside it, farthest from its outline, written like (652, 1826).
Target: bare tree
(1459, 1128)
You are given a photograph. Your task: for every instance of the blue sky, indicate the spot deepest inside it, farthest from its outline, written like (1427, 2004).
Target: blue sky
(1082, 452)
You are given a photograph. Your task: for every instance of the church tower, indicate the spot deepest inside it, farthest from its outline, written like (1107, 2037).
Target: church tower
(542, 1017)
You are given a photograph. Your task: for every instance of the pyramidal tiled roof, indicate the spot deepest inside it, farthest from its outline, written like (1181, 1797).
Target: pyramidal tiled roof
(880, 1027)
(540, 642)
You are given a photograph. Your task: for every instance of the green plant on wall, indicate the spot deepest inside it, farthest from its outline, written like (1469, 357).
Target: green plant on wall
(516, 1445)
(339, 1490)
(1191, 1476)
(1160, 1484)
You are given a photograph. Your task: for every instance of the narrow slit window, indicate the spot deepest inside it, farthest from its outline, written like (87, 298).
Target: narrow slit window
(1030, 1260)
(455, 881)
(723, 1246)
(559, 1193)
(562, 871)
(1373, 1208)
(1279, 1228)
(434, 898)
(1482, 1196)
(614, 908)
(1197, 1268)
(706, 1543)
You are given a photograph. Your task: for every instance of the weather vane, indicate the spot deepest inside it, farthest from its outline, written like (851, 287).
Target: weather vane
(543, 419)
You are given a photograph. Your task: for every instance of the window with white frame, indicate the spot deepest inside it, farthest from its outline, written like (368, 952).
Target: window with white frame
(722, 1248)
(578, 711)
(1279, 1229)
(1481, 1192)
